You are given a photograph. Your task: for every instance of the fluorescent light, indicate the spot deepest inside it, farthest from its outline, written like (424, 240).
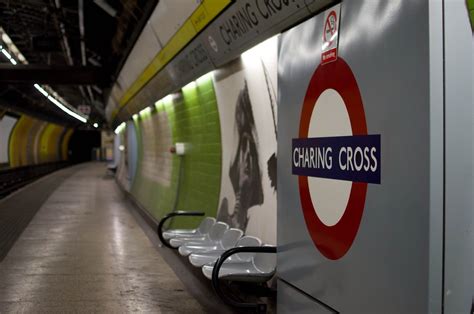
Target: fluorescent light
(67, 110)
(6, 39)
(95, 125)
(168, 98)
(6, 54)
(135, 116)
(59, 104)
(190, 85)
(254, 55)
(106, 7)
(204, 78)
(147, 110)
(41, 90)
(120, 128)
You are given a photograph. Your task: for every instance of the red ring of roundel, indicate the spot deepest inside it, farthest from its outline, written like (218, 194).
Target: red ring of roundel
(334, 242)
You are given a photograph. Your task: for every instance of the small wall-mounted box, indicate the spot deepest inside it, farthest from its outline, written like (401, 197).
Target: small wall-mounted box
(178, 149)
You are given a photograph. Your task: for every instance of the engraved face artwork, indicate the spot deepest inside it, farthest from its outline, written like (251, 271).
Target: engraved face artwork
(244, 172)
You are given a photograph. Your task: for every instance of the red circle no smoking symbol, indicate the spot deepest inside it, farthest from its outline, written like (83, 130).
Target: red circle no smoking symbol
(330, 27)
(332, 237)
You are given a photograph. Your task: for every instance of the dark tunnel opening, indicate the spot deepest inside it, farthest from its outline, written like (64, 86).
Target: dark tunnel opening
(81, 145)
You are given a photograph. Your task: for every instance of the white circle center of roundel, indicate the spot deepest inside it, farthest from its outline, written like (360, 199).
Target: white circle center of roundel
(329, 196)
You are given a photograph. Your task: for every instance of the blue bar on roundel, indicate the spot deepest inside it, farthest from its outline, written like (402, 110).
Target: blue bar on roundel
(350, 158)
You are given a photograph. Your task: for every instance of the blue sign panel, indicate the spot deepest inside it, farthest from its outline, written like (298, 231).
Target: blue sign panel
(350, 158)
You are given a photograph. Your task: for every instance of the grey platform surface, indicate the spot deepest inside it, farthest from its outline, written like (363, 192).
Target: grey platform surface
(84, 252)
(17, 209)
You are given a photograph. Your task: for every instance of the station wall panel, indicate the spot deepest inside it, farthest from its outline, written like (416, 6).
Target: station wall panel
(122, 171)
(128, 155)
(132, 151)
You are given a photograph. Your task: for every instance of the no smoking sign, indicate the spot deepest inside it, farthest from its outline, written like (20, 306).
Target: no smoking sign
(330, 34)
(330, 27)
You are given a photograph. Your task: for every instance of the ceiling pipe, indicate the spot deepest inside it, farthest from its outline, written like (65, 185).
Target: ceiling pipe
(62, 30)
(80, 5)
(81, 31)
(94, 103)
(66, 46)
(106, 7)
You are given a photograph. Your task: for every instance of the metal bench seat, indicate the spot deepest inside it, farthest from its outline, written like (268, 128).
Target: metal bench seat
(260, 268)
(200, 231)
(215, 234)
(228, 240)
(202, 258)
(256, 268)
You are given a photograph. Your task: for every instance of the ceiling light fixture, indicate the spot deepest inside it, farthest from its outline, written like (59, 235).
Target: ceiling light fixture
(67, 110)
(9, 56)
(41, 90)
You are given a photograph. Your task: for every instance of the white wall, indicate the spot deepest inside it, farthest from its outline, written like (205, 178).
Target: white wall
(170, 15)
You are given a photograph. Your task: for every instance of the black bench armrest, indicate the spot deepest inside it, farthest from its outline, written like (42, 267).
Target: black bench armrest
(259, 308)
(169, 216)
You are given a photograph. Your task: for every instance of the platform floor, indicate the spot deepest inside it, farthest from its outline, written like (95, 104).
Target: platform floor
(84, 252)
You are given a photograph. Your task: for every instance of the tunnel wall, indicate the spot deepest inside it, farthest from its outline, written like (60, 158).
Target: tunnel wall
(227, 119)
(66, 137)
(32, 141)
(50, 143)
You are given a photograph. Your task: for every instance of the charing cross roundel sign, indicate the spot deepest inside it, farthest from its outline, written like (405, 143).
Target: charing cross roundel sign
(334, 158)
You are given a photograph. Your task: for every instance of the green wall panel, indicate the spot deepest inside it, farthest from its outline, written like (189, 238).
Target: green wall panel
(193, 119)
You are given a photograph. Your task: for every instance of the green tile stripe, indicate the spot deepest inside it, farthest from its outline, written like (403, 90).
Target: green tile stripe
(194, 119)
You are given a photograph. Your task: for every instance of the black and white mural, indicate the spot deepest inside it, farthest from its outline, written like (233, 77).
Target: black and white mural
(244, 172)
(246, 97)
